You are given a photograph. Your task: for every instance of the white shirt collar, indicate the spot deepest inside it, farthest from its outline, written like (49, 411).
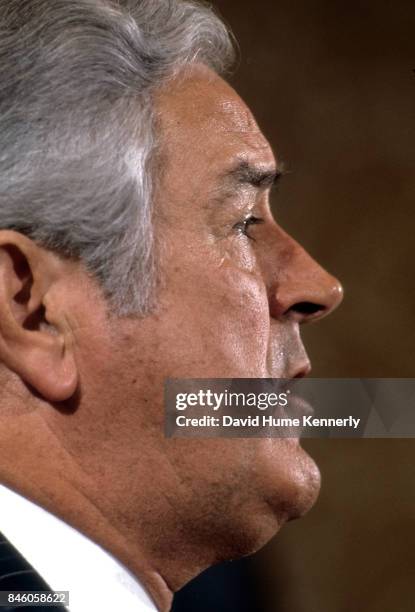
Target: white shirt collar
(69, 561)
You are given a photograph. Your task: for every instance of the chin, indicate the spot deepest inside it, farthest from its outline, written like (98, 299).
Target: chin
(293, 479)
(288, 482)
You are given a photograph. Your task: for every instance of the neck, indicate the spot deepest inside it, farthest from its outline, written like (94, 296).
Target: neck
(51, 478)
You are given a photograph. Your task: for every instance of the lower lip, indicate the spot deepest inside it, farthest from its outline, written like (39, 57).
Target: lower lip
(297, 408)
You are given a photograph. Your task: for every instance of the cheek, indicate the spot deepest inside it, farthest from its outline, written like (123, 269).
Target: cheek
(217, 325)
(239, 254)
(245, 310)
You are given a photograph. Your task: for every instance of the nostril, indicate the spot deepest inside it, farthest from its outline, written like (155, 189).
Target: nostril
(307, 308)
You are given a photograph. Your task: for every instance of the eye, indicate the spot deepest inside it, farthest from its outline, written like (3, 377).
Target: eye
(243, 226)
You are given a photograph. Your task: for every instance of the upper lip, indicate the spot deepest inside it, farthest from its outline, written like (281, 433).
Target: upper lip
(302, 371)
(288, 381)
(293, 372)
(287, 356)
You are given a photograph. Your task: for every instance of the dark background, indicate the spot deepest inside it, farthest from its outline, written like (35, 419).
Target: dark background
(332, 85)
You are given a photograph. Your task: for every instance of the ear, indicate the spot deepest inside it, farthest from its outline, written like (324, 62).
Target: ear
(35, 339)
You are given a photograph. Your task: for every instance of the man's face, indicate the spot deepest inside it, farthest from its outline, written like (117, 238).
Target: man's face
(233, 290)
(234, 286)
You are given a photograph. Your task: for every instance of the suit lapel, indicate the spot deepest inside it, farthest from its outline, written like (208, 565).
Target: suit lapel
(16, 574)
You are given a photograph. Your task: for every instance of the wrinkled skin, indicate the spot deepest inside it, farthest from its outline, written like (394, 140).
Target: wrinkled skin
(231, 296)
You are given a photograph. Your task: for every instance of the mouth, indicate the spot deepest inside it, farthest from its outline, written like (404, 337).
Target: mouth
(297, 406)
(303, 407)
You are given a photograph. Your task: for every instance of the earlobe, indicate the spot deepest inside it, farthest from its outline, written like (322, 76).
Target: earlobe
(33, 347)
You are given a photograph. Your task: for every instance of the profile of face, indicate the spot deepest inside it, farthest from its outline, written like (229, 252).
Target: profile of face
(233, 290)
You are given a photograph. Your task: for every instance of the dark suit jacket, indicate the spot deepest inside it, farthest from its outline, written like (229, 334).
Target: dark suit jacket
(17, 575)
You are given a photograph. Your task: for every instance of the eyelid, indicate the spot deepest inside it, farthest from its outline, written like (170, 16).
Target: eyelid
(242, 226)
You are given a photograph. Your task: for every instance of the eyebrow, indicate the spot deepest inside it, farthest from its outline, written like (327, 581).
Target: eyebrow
(259, 177)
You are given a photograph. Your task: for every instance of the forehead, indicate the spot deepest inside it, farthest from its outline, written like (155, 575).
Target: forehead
(206, 127)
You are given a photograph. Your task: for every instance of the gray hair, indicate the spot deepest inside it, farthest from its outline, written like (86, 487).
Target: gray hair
(77, 129)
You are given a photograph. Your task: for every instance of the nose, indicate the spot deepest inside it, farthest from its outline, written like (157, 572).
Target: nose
(302, 290)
